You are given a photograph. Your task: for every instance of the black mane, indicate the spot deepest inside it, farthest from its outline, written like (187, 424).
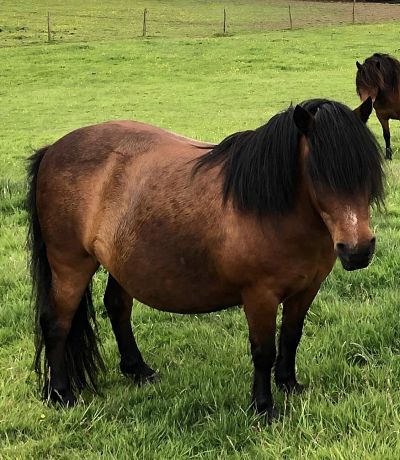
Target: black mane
(379, 71)
(260, 167)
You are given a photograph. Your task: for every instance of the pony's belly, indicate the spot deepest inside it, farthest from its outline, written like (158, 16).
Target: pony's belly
(185, 306)
(174, 298)
(170, 261)
(179, 290)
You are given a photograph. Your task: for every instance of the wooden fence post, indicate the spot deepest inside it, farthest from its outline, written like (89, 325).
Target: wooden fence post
(290, 18)
(145, 22)
(224, 20)
(48, 27)
(354, 11)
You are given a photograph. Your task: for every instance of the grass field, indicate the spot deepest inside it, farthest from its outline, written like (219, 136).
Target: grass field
(205, 88)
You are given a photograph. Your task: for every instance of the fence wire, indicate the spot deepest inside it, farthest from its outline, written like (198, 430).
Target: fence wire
(19, 27)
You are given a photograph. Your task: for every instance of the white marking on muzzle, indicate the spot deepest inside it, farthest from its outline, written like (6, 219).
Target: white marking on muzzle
(351, 226)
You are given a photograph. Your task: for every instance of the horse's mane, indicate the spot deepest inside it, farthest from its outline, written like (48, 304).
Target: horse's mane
(261, 167)
(380, 71)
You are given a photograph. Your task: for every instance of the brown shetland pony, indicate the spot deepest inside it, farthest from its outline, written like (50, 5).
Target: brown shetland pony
(379, 78)
(189, 227)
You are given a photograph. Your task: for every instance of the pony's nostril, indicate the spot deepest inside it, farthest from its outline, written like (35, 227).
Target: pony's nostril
(341, 247)
(372, 246)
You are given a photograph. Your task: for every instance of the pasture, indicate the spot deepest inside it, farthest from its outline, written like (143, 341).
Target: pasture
(203, 86)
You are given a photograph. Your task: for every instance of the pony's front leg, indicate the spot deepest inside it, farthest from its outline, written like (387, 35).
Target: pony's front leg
(386, 135)
(260, 308)
(294, 312)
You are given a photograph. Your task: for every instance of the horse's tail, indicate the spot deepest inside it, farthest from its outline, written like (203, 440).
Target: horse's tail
(38, 263)
(82, 357)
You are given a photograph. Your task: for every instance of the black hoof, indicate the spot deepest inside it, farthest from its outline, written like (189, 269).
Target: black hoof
(290, 386)
(140, 374)
(63, 398)
(270, 413)
(149, 376)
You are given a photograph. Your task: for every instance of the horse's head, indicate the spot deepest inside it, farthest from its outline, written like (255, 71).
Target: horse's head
(369, 79)
(343, 172)
(347, 220)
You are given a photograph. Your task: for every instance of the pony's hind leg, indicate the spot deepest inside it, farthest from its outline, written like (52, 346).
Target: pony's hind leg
(71, 356)
(119, 307)
(294, 312)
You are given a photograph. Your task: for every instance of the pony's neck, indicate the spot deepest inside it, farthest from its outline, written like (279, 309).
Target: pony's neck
(303, 223)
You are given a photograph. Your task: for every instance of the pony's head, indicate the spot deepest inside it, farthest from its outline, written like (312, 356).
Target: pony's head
(343, 170)
(380, 72)
(320, 144)
(369, 79)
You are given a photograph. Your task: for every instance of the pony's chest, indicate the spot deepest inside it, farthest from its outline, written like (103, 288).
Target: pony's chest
(286, 254)
(387, 108)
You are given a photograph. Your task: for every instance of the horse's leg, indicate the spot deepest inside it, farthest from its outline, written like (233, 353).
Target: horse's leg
(119, 306)
(386, 135)
(68, 287)
(294, 312)
(260, 309)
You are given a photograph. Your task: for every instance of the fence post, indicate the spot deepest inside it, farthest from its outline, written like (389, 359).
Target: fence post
(48, 27)
(290, 17)
(145, 22)
(354, 11)
(224, 20)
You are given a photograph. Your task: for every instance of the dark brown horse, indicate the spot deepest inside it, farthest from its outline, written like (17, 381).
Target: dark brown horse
(188, 227)
(379, 78)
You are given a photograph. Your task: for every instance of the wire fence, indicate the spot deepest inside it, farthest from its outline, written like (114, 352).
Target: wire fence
(162, 20)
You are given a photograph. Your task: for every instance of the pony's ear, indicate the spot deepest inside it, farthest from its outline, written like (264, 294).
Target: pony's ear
(303, 119)
(378, 65)
(359, 66)
(364, 110)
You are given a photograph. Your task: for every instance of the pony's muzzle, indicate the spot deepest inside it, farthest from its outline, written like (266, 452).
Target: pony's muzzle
(355, 257)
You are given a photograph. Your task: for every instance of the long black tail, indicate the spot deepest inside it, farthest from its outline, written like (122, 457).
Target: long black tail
(83, 359)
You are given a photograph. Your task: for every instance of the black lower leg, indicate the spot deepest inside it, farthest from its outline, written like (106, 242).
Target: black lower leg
(57, 387)
(386, 135)
(263, 360)
(285, 368)
(119, 305)
(294, 313)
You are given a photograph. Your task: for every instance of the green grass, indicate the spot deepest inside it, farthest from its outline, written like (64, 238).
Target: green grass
(205, 88)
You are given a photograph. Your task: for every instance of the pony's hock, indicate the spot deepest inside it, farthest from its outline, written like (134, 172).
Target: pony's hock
(189, 227)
